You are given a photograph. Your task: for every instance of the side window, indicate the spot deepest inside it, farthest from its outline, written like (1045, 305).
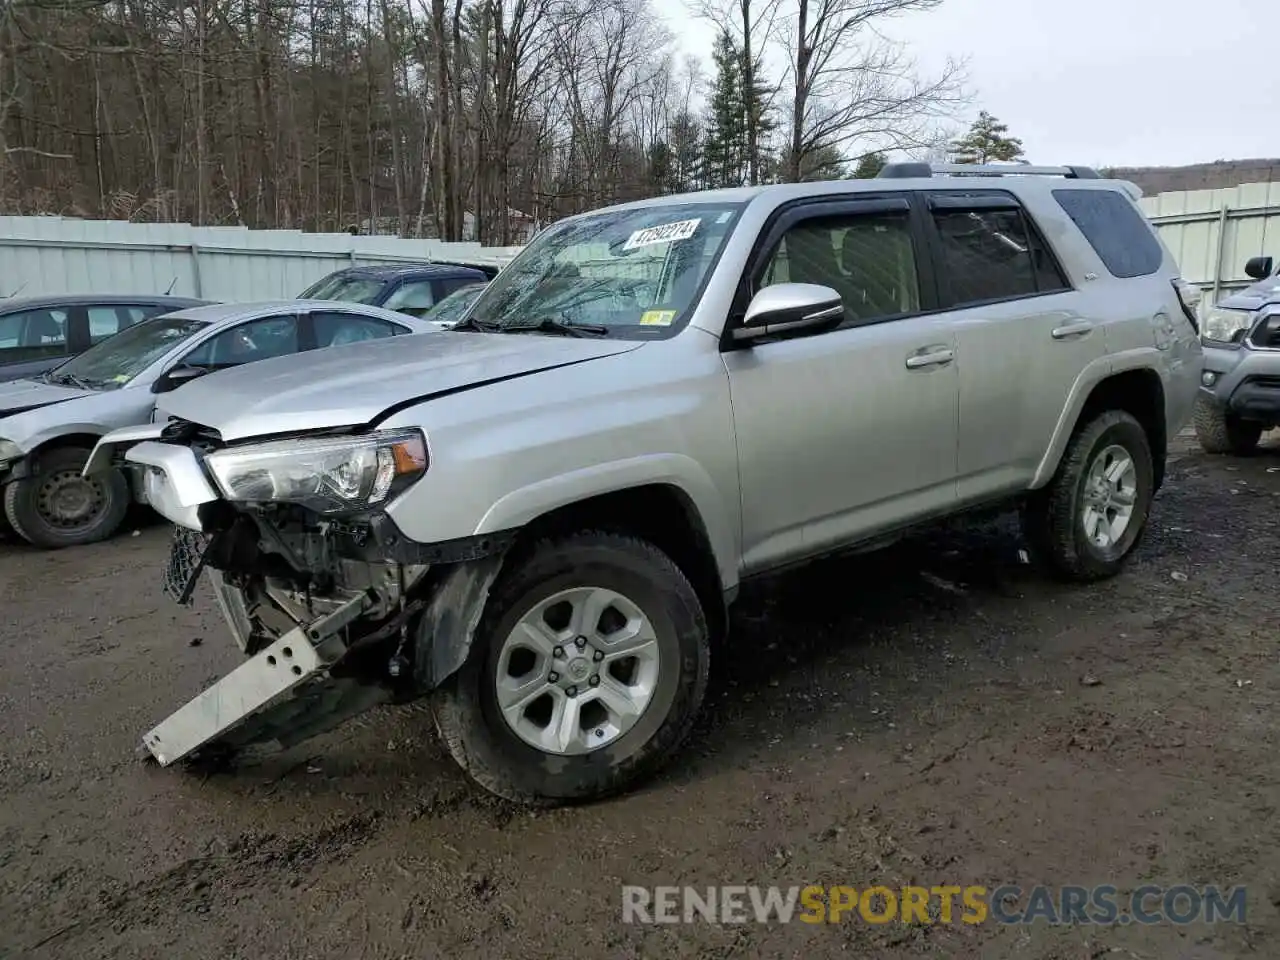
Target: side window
(136, 313)
(1115, 229)
(33, 335)
(869, 259)
(412, 298)
(447, 287)
(993, 254)
(247, 342)
(335, 329)
(105, 321)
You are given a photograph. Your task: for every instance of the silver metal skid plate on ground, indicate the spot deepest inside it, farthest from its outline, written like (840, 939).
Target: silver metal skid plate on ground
(259, 682)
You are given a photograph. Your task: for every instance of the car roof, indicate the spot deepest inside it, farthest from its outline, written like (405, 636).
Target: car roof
(219, 314)
(1010, 179)
(400, 271)
(12, 304)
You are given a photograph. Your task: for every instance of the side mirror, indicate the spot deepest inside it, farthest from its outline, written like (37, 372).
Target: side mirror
(1259, 268)
(176, 378)
(786, 309)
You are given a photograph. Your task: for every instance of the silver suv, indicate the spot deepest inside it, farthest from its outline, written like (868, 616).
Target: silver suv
(541, 517)
(1240, 387)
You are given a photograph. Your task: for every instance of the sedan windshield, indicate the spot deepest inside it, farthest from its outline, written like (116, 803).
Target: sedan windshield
(633, 273)
(118, 359)
(347, 289)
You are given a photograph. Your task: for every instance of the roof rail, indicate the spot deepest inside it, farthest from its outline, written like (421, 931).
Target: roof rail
(909, 169)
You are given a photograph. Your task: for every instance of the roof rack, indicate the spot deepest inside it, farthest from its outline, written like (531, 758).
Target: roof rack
(914, 169)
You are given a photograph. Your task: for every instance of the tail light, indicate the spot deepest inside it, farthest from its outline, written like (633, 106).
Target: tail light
(1189, 297)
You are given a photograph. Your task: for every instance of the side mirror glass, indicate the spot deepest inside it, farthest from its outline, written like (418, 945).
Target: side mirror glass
(1259, 268)
(787, 309)
(176, 378)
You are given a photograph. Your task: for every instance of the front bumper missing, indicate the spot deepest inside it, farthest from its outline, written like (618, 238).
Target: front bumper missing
(336, 616)
(297, 660)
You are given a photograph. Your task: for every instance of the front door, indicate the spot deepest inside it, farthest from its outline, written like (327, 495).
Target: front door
(845, 433)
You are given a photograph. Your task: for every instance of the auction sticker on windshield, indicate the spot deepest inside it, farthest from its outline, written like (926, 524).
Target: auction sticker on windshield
(668, 232)
(657, 318)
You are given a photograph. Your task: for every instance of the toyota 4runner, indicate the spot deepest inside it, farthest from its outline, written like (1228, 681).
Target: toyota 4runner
(540, 518)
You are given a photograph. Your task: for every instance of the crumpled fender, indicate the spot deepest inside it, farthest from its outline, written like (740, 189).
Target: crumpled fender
(445, 630)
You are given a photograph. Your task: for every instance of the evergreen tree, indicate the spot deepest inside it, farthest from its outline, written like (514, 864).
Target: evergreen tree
(823, 164)
(686, 146)
(986, 140)
(722, 154)
(869, 166)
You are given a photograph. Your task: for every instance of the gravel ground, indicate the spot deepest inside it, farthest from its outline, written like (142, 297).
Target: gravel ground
(936, 713)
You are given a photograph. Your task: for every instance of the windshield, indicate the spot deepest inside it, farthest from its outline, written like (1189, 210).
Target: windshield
(344, 288)
(632, 273)
(452, 307)
(118, 359)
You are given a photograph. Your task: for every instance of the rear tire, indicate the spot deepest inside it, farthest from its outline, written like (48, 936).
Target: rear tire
(56, 508)
(1220, 432)
(1083, 526)
(543, 652)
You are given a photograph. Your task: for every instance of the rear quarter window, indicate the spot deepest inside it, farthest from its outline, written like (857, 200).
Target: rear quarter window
(1115, 229)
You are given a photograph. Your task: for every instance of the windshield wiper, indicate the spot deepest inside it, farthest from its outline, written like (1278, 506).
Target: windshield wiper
(556, 325)
(472, 323)
(71, 379)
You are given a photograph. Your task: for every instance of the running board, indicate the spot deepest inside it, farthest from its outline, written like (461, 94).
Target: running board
(264, 680)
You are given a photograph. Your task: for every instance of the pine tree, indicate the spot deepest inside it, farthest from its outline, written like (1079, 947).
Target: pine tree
(723, 148)
(986, 141)
(869, 166)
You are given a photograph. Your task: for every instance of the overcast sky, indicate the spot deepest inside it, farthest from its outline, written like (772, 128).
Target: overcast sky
(1101, 82)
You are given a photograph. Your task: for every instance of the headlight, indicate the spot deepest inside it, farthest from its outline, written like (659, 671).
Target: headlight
(1226, 326)
(9, 451)
(326, 474)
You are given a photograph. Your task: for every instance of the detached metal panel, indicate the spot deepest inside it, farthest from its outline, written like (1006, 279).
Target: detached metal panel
(49, 255)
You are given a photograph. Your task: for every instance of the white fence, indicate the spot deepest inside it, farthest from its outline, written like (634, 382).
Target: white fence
(1212, 233)
(49, 255)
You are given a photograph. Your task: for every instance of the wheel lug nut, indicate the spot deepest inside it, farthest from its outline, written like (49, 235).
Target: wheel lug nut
(572, 691)
(558, 653)
(552, 677)
(595, 680)
(598, 656)
(580, 642)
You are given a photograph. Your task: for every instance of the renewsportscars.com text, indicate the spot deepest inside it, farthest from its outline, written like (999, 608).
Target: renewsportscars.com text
(1103, 904)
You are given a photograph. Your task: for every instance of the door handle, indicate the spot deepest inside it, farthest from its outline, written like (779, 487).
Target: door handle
(1076, 328)
(931, 359)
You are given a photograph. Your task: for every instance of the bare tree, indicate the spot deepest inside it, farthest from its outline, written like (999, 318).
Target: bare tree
(850, 83)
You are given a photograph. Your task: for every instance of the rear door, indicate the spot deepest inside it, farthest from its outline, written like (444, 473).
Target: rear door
(333, 328)
(32, 341)
(1021, 340)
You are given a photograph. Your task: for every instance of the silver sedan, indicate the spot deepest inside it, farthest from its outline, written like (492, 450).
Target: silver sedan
(49, 424)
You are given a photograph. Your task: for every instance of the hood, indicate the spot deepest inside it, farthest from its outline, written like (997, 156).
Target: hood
(19, 396)
(356, 383)
(1254, 297)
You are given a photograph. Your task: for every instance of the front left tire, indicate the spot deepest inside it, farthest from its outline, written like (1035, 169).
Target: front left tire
(55, 507)
(585, 675)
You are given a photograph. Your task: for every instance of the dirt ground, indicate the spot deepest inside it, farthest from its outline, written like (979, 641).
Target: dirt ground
(933, 714)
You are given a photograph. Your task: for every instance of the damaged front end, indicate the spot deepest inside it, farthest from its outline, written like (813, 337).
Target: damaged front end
(336, 614)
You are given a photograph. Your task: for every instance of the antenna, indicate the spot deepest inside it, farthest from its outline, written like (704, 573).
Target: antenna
(171, 286)
(20, 288)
